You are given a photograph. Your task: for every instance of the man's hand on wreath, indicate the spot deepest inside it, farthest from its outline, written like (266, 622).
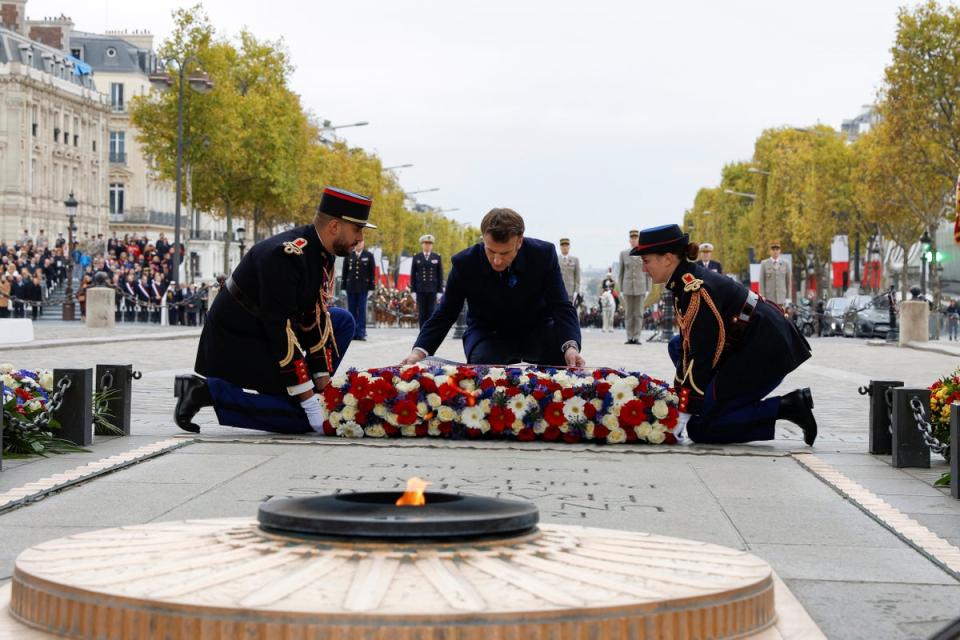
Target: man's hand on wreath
(573, 358)
(414, 357)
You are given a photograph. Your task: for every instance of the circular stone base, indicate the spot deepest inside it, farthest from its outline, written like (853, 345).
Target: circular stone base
(220, 579)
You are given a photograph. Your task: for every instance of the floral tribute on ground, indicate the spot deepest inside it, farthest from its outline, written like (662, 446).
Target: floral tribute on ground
(512, 403)
(26, 394)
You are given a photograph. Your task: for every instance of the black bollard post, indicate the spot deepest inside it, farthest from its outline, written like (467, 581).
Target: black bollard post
(118, 378)
(881, 438)
(75, 414)
(955, 451)
(908, 447)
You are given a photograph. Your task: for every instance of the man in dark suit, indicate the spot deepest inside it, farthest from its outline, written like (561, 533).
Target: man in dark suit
(358, 280)
(706, 253)
(517, 306)
(426, 278)
(273, 328)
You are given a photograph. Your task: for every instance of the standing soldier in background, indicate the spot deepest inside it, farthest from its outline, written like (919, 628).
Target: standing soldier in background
(358, 280)
(426, 278)
(570, 270)
(775, 276)
(706, 253)
(633, 287)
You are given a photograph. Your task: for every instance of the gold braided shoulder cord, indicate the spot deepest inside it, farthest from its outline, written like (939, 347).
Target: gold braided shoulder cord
(292, 346)
(722, 340)
(326, 294)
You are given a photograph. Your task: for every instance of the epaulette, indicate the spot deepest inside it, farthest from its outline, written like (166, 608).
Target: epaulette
(295, 247)
(690, 283)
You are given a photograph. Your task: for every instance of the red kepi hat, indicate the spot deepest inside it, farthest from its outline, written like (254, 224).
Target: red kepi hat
(345, 205)
(663, 239)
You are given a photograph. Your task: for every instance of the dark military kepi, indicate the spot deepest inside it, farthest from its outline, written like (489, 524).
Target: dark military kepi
(734, 349)
(271, 330)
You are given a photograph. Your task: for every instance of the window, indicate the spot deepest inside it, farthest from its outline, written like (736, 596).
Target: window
(56, 134)
(116, 95)
(77, 53)
(116, 197)
(34, 129)
(94, 145)
(118, 146)
(76, 140)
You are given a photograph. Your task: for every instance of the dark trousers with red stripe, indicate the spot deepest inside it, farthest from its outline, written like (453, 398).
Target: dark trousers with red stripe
(236, 407)
(747, 417)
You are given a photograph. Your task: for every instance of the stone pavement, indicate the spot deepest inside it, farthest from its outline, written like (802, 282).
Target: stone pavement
(856, 578)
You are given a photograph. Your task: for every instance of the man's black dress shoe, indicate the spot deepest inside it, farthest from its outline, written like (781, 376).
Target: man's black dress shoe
(797, 407)
(192, 395)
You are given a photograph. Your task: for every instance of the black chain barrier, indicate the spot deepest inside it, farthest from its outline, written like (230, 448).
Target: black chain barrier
(42, 419)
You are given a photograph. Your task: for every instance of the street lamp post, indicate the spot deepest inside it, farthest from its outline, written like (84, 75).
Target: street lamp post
(71, 204)
(241, 235)
(397, 166)
(924, 247)
(200, 84)
(742, 194)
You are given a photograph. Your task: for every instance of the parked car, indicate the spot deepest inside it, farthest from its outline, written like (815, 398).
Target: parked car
(833, 315)
(867, 317)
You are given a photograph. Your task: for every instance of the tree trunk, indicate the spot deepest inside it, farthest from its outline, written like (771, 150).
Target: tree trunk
(934, 273)
(227, 237)
(903, 274)
(257, 216)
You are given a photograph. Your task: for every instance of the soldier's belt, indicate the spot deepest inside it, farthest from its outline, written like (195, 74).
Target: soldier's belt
(245, 301)
(740, 321)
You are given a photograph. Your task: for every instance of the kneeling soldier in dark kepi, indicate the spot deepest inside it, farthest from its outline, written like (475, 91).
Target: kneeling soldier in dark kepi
(271, 329)
(734, 348)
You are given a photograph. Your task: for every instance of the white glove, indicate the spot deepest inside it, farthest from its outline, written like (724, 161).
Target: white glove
(316, 412)
(682, 421)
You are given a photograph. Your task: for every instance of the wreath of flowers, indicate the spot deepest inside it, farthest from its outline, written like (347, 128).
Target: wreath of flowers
(526, 404)
(25, 392)
(943, 393)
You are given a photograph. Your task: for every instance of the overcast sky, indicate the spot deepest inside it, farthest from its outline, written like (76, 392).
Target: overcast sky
(587, 118)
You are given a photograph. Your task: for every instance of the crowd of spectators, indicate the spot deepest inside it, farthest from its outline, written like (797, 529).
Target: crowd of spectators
(33, 267)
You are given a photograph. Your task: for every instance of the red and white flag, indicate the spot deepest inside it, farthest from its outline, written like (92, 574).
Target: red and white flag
(840, 257)
(403, 273)
(956, 211)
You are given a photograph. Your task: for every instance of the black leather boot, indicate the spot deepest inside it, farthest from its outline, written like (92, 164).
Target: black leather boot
(797, 407)
(192, 395)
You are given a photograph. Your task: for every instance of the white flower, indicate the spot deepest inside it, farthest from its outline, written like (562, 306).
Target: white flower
(433, 428)
(33, 405)
(449, 369)
(610, 421)
(422, 409)
(519, 404)
(573, 409)
(496, 373)
(6, 367)
(643, 430)
(557, 396)
(9, 382)
(517, 426)
(468, 385)
(472, 417)
(338, 381)
(335, 419)
(434, 400)
(485, 407)
(656, 437)
(621, 392)
(391, 418)
(588, 430)
(441, 380)
(408, 430)
(660, 409)
(350, 430)
(350, 400)
(349, 413)
(631, 381)
(540, 426)
(380, 410)
(563, 380)
(597, 403)
(446, 414)
(413, 385)
(46, 380)
(617, 436)
(375, 431)
(613, 378)
(673, 398)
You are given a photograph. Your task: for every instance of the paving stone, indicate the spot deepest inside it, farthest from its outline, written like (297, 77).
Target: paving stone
(859, 563)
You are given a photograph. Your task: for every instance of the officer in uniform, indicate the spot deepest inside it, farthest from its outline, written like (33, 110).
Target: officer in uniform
(734, 348)
(517, 306)
(426, 278)
(271, 328)
(775, 276)
(570, 270)
(706, 253)
(358, 279)
(633, 287)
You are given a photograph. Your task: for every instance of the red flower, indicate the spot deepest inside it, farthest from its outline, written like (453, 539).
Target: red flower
(566, 394)
(361, 418)
(552, 434)
(597, 374)
(589, 411)
(512, 391)
(600, 432)
(381, 391)
(409, 374)
(328, 429)
(446, 429)
(448, 392)
(487, 384)
(428, 385)
(359, 386)
(553, 414)
(669, 438)
(406, 411)
(390, 430)
(539, 394)
(466, 372)
(571, 437)
(500, 418)
(332, 396)
(632, 413)
(602, 388)
(671, 420)
(421, 430)
(365, 405)
(473, 434)
(526, 435)
(631, 435)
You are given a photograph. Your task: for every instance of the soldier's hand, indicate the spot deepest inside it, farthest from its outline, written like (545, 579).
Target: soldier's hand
(414, 357)
(321, 382)
(573, 358)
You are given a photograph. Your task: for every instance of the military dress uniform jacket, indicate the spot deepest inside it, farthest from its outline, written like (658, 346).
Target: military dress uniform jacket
(277, 333)
(426, 274)
(570, 270)
(358, 272)
(712, 265)
(775, 280)
(719, 345)
(632, 279)
(526, 300)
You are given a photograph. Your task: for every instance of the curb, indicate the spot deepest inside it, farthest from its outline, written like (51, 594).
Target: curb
(932, 348)
(71, 342)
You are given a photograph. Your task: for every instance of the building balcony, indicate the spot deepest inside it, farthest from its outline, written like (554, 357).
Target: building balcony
(207, 234)
(152, 218)
(118, 157)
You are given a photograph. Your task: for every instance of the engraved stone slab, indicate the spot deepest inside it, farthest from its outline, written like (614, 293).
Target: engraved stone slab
(226, 578)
